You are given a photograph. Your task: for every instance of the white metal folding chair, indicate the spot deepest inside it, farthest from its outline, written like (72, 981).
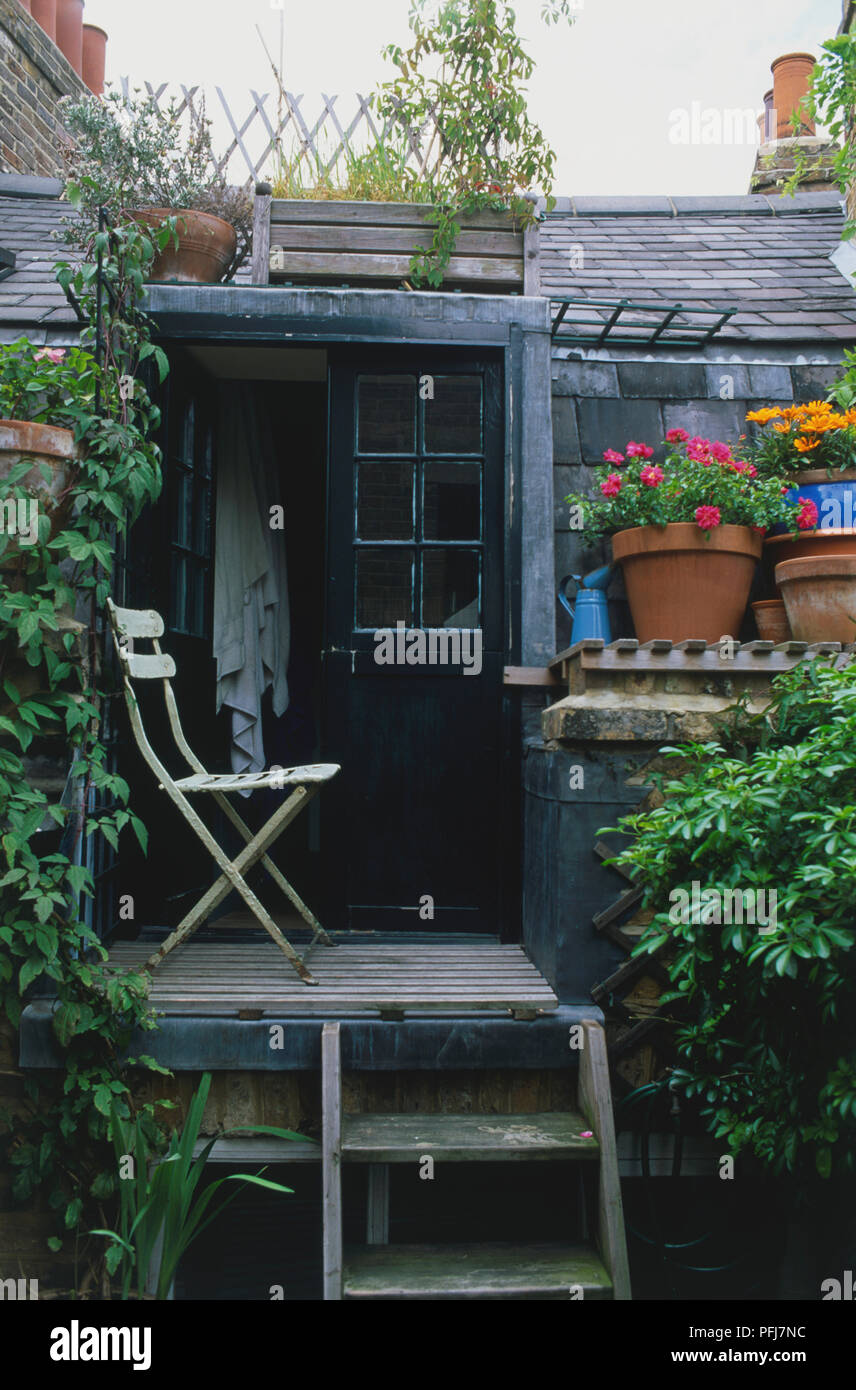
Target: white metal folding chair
(127, 624)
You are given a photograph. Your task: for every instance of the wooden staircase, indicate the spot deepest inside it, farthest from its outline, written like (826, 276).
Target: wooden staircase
(379, 1270)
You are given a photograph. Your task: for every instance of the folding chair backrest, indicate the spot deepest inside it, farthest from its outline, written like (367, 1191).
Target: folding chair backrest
(130, 623)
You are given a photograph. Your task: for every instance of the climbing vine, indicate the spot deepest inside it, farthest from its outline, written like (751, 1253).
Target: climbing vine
(52, 681)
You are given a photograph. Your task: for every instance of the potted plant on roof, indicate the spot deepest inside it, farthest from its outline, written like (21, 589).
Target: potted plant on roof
(813, 447)
(687, 533)
(155, 167)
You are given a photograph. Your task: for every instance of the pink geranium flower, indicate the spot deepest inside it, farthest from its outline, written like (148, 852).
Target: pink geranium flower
(52, 354)
(612, 486)
(613, 456)
(708, 517)
(699, 453)
(807, 514)
(642, 451)
(651, 475)
(676, 436)
(720, 451)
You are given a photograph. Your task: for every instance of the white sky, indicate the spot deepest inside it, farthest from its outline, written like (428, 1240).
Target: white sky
(602, 91)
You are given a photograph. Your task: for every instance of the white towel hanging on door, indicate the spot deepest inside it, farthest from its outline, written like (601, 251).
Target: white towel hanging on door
(251, 613)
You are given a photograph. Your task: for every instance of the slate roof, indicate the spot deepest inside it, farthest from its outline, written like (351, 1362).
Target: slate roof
(30, 298)
(768, 256)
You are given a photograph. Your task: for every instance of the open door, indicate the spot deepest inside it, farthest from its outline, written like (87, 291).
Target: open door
(413, 648)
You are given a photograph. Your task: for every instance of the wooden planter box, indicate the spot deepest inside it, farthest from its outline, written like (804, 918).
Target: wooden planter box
(370, 245)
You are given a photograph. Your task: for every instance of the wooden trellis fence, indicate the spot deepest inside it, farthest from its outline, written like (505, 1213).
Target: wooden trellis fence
(273, 126)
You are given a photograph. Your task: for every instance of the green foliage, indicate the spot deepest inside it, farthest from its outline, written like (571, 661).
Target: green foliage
(160, 1200)
(379, 175)
(832, 101)
(49, 678)
(464, 78)
(765, 1019)
(698, 481)
(130, 153)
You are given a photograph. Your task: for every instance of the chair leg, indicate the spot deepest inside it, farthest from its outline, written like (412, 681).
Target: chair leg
(232, 877)
(319, 932)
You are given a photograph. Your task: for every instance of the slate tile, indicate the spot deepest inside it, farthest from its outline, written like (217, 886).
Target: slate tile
(610, 424)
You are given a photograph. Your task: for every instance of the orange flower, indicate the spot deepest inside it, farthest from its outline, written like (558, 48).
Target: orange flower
(803, 446)
(761, 417)
(781, 427)
(819, 407)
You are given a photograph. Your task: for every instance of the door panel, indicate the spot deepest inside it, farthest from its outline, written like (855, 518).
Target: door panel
(413, 660)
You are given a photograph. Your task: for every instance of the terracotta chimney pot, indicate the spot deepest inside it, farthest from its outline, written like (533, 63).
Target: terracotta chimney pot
(94, 58)
(791, 75)
(44, 13)
(69, 32)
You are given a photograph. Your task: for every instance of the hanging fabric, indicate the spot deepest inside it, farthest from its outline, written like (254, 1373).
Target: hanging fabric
(251, 613)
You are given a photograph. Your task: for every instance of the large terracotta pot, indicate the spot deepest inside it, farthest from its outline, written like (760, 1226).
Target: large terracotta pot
(820, 596)
(94, 58)
(680, 585)
(206, 245)
(44, 13)
(49, 445)
(69, 32)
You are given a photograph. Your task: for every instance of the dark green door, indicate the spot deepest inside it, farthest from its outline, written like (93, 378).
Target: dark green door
(413, 649)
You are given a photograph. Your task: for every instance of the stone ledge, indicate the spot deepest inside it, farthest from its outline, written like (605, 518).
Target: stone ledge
(609, 717)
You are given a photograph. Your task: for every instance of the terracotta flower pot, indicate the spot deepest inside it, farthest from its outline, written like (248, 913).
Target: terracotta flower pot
(771, 619)
(22, 440)
(69, 32)
(820, 597)
(680, 585)
(829, 541)
(44, 13)
(206, 245)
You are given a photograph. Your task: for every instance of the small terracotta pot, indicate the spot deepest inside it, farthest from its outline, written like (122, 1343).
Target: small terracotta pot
(69, 32)
(94, 58)
(829, 541)
(680, 585)
(771, 619)
(22, 440)
(206, 245)
(820, 597)
(44, 13)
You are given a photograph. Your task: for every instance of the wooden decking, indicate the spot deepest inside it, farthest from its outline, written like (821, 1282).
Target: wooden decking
(362, 974)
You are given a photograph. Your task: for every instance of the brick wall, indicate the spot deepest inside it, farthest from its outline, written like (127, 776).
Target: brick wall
(600, 405)
(33, 77)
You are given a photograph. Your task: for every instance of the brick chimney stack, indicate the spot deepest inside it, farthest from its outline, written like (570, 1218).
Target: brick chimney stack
(786, 129)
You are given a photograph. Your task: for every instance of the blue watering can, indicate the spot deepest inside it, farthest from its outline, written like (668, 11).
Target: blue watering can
(589, 612)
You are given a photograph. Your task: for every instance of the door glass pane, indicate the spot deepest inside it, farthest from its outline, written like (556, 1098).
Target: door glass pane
(452, 502)
(450, 588)
(186, 445)
(386, 415)
(453, 418)
(183, 495)
(385, 501)
(384, 586)
(178, 593)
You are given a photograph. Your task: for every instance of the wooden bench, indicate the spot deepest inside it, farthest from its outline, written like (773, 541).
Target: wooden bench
(306, 242)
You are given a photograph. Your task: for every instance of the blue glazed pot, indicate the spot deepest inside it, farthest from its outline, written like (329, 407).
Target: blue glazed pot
(835, 499)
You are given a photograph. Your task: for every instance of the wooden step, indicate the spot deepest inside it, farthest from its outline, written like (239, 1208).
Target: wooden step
(490, 1271)
(382, 1138)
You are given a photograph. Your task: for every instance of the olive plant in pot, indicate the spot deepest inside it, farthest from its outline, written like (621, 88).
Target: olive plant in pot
(687, 532)
(155, 166)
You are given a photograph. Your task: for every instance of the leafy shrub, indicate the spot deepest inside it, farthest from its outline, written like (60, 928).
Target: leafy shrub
(766, 1023)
